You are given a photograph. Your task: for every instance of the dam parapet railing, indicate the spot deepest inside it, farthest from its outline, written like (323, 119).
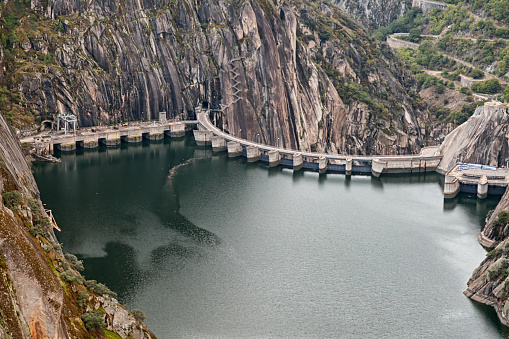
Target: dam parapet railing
(208, 134)
(469, 178)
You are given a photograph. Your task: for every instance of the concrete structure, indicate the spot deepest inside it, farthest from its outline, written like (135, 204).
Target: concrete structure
(322, 164)
(155, 132)
(377, 167)
(109, 136)
(427, 5)
(252, 153)
(297, 161)
(234, 149)
(43, 145)
(476, 179)
(467, 82)
(202, 138)
(88, 142)
(451, 187)
(482, 187)
(274, 158)
(396, 43)
(110, 142)
(134, 136)
(67, 147)
(218, 144)
(348, 166)
(427, 161)
(155, 136)
(177, 130)
(162, 117)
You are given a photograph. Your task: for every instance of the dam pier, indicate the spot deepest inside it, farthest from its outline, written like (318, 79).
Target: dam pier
(475, 179)
(208, 134)
(109, 136)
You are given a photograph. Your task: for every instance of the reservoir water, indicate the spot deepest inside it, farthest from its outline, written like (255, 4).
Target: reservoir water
(211, 247)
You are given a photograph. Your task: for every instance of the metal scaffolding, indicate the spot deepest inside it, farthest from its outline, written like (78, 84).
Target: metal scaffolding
(67, 119)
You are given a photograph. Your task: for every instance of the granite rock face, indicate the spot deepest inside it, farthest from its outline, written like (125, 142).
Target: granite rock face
(35, 302)
(483, 139)
(373, 14)
(303, 73)
(489, 283)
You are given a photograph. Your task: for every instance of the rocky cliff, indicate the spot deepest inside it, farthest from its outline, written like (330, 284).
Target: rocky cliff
(42, 295)
(299, 71)
(483, 139)
(373, 14)
(489, 283)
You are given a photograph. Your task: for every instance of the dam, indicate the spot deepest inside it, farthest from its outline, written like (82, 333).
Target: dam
(475, 179)
(208, 134)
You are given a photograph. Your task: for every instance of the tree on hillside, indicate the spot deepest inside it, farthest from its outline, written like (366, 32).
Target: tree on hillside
(415, 34)
(476, 73)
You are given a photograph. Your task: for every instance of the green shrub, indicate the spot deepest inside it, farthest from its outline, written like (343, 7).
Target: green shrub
(36, 230)
(75, 263)
(138, 315)
(493, 253)
(93, 320)
(82, 298)
(502, 219)
(34, 206)
(439, 89)
(476, 73)
(68, 276)
(99, 288)
(56, 245)
(103, 289)
(91, 284)
(11, 199)
(415, 34)
(466, 91)
(490, 86)
(65, 265)
(40, 227)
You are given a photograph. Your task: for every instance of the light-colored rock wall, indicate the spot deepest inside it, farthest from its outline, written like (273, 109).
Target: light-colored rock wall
(483, 139)
(130, 60)
(373, 14)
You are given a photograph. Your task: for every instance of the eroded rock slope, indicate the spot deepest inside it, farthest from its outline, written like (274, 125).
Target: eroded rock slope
(42, 295)
(299, 71)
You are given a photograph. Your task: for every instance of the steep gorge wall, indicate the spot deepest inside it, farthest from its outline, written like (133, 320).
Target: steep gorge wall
(483, 139)
(374, 13)
(308, 75)
(35, 301)
(489, 283)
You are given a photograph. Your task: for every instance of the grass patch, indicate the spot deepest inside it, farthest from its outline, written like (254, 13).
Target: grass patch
(111, 335)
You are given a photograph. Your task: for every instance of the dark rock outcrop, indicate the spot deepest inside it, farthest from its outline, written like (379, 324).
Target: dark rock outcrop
(300, 72)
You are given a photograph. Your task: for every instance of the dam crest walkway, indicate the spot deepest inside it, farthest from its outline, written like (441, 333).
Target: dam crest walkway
(208, 134)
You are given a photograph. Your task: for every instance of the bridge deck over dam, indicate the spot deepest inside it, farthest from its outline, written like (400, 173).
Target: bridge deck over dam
(208, 134)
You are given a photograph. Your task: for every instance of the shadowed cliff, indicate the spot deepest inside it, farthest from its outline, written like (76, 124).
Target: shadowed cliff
(300, 71)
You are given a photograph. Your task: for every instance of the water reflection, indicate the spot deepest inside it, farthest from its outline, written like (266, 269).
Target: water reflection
(211, 246)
